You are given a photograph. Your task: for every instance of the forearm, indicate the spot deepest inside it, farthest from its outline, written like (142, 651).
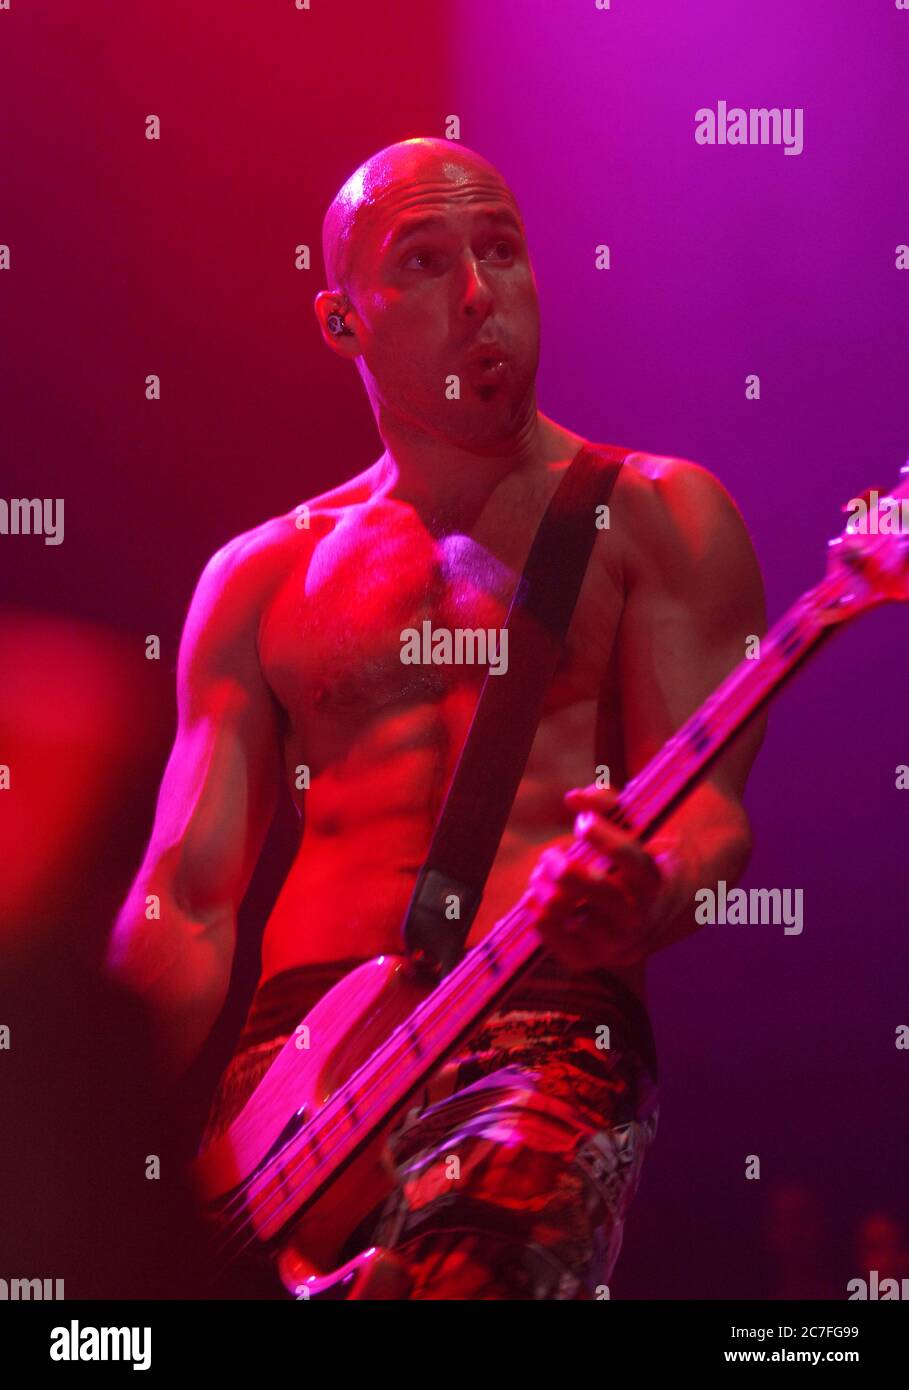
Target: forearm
(177, 963)
(707, 839)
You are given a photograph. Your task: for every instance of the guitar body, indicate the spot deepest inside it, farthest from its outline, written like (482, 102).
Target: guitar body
(343, 1031)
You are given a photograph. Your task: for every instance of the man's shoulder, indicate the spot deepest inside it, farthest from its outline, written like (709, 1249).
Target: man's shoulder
(667, 496)
(662, 479)
(254, 560)
(669, 512)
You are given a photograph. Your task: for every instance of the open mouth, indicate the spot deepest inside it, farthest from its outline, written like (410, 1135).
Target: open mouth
(487, 371)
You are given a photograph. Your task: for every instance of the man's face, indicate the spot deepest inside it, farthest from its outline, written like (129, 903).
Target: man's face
(439, 267)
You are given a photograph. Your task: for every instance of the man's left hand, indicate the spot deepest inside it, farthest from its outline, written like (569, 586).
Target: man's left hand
(606, 912)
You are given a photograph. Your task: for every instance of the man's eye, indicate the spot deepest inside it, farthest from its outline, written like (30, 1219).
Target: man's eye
(426, 256)
(505, 248)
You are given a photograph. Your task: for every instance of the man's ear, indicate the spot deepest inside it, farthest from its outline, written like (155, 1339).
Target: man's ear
(337, 321)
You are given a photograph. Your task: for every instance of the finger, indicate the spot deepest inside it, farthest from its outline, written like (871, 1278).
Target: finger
(604, 904)
(549, 866)
(555, 899)
(592, 797)
(633, 860)
(586, 873)
(579, 872)
(618, 893)
(546, 892)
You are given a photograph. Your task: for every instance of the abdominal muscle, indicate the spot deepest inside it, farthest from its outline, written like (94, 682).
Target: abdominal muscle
(348, 893)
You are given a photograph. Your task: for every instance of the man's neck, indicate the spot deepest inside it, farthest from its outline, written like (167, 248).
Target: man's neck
(450, 483)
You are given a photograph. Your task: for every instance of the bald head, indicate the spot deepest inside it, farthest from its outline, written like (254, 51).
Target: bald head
(428, 165)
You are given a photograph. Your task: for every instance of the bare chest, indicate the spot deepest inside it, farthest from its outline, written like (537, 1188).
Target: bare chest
(385, 618)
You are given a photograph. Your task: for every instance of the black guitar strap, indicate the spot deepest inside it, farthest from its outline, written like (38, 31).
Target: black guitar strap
(467, 834)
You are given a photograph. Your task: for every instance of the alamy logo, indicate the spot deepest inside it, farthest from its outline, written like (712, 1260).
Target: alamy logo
(75, 1343)
(462, 646)
(759, 125)
(757, 906)
(875, 515)
(33, 516)
(27, 1289)
(876, 1288)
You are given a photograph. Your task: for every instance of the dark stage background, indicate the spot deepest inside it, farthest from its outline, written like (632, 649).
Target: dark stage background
(176, 257)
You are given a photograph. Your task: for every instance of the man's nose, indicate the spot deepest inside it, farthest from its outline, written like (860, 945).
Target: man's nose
(476, 294)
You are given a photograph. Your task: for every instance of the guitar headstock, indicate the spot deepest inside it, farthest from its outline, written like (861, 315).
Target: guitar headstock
(869, 563)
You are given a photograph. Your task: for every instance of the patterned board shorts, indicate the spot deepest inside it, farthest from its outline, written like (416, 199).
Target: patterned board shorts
(516, 1166)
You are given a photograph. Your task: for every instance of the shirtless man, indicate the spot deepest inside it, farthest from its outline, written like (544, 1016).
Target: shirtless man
(291, 657)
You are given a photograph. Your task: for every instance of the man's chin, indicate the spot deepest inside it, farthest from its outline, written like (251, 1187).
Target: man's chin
(486, 428)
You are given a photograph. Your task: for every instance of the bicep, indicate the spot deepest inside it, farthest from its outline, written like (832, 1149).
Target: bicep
(695, 595)
(220, 786)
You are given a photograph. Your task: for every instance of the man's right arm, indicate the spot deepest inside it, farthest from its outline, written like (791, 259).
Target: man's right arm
(174, 938)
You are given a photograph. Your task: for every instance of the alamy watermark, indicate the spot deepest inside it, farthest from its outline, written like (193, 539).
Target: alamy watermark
(874, 1288)
(874, 515)
(26, 1290)
(756, 907)
(758, 125)
(33, 516)
(460, 646)
(81, 1343)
